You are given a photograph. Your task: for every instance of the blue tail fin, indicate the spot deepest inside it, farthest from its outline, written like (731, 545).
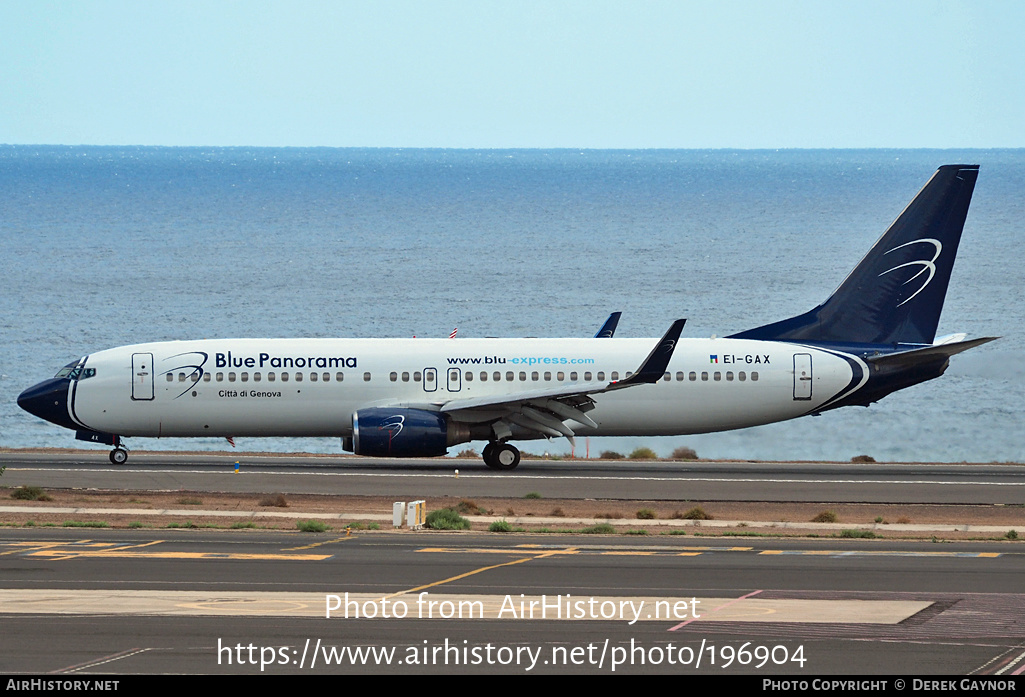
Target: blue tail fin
(895, 295)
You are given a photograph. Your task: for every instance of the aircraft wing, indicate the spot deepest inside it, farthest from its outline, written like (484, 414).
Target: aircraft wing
(546, 410)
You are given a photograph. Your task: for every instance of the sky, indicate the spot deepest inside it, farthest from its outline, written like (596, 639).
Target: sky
(517, 74)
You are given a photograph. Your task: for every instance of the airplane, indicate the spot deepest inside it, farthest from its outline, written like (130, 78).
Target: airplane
(417, 397)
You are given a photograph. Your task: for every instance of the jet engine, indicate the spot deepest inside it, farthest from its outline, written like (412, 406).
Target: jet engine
(384, 432)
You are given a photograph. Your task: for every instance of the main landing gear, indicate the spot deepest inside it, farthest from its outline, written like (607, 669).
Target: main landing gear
(501, 456)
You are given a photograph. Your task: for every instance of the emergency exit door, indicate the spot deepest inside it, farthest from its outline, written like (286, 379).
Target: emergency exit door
(802, 376)
(142, 376)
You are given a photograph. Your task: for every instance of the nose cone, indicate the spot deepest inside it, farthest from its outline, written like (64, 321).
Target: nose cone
(48, 400)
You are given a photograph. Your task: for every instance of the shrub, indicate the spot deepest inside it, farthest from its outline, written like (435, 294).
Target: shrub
(866, 534)
(311, 526)
(30, 493)
(85, 524)
(185, 501)
(532, 495)
(903, 520)
(646, 514)
(610, 455)
(697, 513)
(1012, 535)
(684, 453)
(643, 454)
(243, 525)
(636, 532)
(599, 529)
(469, 453)
(186, 524)
(825, 517)
(557, 513)
(500, 526)
(863, 459)
(277, 500)
(446, 519)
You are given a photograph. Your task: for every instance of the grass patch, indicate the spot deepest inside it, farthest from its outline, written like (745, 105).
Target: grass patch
(609, 516)
(532, 495)
(86, 524)
(859, 534)
(643, 453)
(636, 532)
(275, 500)
(243, 526)
(646, 514)
(503, 526)
(186, 525)
(825, 517)
(447, 519)
(599, 529)
(185, 501)
(312, 526)
(468, 507)
(30, 493)
(675, 532)
(903, 520)
(137, 524)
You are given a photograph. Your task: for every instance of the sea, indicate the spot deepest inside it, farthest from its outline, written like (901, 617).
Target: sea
(106, 246)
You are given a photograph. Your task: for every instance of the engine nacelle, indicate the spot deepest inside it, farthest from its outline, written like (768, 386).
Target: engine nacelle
(383, 432)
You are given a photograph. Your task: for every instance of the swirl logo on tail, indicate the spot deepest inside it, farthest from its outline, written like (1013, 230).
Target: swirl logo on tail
(926, 264)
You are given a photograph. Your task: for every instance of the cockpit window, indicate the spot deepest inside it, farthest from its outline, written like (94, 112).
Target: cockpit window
(74, 371)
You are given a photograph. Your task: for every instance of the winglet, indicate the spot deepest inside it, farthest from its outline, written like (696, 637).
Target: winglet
(609, 328)
(654, 366)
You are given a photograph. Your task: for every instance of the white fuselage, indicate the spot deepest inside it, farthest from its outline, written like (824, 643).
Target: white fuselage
(311, 387)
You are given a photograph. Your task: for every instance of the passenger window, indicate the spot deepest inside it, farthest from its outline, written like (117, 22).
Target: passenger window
(587, 376)
(313, 377)
(704, 376)
(572, 376)
(469, 376)
(416, 376)
(601, 375)
(679, 376)
(405, 376)
(256, 377)
(562, 376)
(366, 377)
(693, 376)
(667, 377)
(483, 376)
(742, 376)
(245, 377)
(729, 376)
(341, 376)
(220, 377)
(394, 377)
(326, 377)
(181, 377)
(206, 377)
(717, 376)
(754, 376)
(284, 377)
(270, 377)
(429, 377)
(170, 378)
(615, 375)
(231, 377)
(523, 376)
(298, 377)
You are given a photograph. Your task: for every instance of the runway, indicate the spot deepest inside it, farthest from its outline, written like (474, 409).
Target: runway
(649, 481)
(130, 602)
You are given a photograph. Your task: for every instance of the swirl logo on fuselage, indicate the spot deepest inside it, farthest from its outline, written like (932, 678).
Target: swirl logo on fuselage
(926, 264)
(194, 366)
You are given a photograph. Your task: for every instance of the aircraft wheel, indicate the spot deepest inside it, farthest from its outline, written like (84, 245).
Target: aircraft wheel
(502, 456)
(118, 456)
(488, 453)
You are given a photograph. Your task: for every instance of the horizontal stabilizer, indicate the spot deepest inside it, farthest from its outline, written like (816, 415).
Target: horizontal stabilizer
(922, 355)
